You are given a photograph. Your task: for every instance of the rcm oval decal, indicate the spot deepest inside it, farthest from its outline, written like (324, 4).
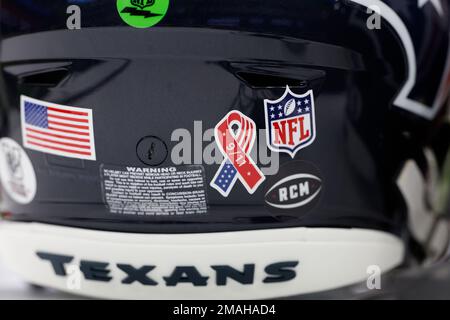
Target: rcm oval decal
(295, 190)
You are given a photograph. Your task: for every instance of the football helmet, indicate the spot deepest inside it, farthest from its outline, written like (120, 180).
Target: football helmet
(222, 149)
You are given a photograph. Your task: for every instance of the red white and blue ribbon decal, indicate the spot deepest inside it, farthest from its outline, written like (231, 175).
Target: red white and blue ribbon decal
(235, 135)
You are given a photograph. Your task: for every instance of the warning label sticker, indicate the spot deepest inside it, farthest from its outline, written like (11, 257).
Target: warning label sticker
(154, 191)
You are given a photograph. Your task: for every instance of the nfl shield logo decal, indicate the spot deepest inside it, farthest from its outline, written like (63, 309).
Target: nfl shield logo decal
(290, 122)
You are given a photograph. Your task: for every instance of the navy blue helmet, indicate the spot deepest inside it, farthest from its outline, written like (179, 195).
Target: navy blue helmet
(222, 149)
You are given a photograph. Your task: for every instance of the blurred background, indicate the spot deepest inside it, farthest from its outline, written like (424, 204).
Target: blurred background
(432, 282)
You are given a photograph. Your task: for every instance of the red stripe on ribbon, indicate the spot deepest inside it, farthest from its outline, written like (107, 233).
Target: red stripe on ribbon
(249, 173)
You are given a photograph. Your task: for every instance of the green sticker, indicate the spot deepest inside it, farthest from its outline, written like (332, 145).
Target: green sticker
(142, 13)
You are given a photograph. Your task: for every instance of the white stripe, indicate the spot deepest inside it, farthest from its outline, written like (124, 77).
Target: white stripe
(69, 128)
(60, 114)
(50, 118)
(39, 135)
(56, 145)
(59, 132)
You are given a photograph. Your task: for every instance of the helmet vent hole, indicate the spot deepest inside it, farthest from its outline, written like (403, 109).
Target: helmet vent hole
(45, 79)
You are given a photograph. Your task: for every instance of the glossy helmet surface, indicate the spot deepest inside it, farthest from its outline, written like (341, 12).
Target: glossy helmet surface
(112, 157)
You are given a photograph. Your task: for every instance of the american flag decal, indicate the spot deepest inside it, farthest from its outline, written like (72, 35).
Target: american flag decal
(56, 129)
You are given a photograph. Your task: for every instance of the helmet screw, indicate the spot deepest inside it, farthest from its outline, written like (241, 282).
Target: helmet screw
(151, 151)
